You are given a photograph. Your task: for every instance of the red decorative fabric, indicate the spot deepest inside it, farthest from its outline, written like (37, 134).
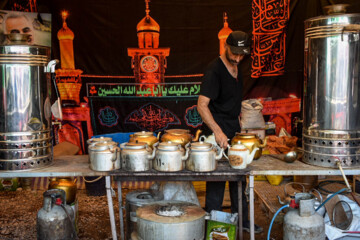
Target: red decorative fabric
(270, 18)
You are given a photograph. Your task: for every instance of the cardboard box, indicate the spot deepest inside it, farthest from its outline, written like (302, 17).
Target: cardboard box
(221, 226)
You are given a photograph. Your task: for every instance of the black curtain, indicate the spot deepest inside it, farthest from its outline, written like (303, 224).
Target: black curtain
(105, 29)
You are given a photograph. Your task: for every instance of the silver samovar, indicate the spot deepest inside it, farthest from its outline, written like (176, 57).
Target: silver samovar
(331, 130)
(25, 107)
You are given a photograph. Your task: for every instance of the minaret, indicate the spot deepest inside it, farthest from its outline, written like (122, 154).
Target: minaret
(66, 37)
(224, 33)
(148, 30)
(68, 79)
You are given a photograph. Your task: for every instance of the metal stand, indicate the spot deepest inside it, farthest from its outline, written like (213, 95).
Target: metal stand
(111, 207)
(240, 193)
(252, 218)
(122, 234)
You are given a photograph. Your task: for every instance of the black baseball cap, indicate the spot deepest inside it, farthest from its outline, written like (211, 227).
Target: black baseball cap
(239, 42)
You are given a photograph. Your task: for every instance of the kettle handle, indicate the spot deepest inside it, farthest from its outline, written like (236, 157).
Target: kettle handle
(114, 150)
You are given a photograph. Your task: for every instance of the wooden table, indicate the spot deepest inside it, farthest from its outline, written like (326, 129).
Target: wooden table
(71, 166)
(268, 165)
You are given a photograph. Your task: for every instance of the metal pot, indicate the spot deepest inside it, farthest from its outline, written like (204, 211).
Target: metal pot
(169, 157)
(251, 141)
(105, 156)
(179, 136)
(137, 157)
(173, 220)
(202, 157)
(97, 140)
(134, 200)
(94, 140)
(68, 185)
(145, 137)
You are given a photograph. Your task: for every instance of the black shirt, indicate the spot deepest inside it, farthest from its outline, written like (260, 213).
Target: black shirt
(225, 93)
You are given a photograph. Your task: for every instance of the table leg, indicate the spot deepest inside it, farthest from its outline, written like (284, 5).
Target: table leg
(121, 211)
(252, 219)
(111, 207)
(240, 193)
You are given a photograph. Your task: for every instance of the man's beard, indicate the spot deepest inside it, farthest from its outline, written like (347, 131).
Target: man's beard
(233, 62)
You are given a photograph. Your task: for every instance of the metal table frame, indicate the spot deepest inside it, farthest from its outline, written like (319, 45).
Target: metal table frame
(268, 165)
(73, 166)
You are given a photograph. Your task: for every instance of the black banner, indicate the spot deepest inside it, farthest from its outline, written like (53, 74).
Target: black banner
(133, 114)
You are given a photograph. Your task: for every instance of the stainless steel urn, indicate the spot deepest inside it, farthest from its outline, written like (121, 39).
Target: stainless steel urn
(331, 129)
(25, 108)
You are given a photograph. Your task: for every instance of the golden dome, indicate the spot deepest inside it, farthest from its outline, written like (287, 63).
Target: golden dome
(225, 31)
(148, 24)
(65, 32)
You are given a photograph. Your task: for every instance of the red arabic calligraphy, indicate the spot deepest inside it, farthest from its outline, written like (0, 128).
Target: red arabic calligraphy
(270, 18)
(152, 117)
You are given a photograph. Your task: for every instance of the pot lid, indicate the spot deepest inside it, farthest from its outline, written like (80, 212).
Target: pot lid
(238, 145)
(168, 212)
(100, 139)
(135, 145)
(168, 146)
(101, 146)
(144, 196)
(246, 135)
(201, 146)
(178, 131)
(144, 134)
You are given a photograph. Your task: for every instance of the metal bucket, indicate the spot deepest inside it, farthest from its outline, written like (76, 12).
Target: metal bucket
(134, 200)
(331, 128)
(25, 109)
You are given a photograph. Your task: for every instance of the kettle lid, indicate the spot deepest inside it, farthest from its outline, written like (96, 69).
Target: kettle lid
(238, 145)
(100, 139)
(101, 146)
(168, 146)
(201, 146)
(143, 134)
(135, 145)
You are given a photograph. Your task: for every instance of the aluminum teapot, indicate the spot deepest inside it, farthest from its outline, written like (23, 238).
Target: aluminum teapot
(240, 156)
(170, 157)
(105, 156)
(137, 157)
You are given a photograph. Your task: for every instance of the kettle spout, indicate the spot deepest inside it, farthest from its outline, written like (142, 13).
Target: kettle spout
(185, 157)
(152, 156)
(220, 153)
(264, 144)
(197, 134)
(251, 155)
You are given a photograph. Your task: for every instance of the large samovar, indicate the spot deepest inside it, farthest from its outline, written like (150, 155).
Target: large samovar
(331, 131)
(25, 107)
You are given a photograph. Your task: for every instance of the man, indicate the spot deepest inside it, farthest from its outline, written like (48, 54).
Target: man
(19, 24)
(219, 105)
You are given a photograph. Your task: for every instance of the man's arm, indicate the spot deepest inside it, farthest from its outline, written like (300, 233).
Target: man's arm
(208, 119)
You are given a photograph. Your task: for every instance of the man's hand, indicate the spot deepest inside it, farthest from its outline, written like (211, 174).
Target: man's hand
(221, 139)
(207, 117)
